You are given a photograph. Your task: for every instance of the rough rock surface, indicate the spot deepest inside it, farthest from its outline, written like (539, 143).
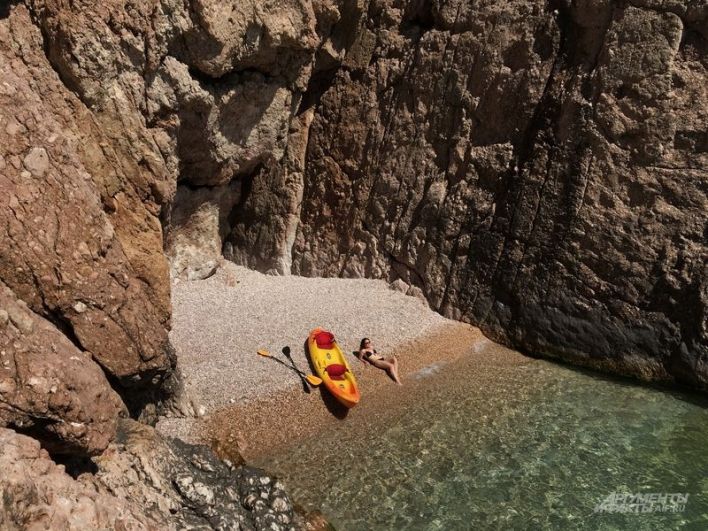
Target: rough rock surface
(199, 223)
(81, 243)
(206, 91)
(538, 169)
(190, 484)
(141, 482)
(49, 388)
(38, 494)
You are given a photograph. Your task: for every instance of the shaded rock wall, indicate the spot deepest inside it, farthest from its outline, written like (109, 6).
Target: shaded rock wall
(536, 169)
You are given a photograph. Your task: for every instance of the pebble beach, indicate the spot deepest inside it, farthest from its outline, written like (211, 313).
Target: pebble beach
(256, 402)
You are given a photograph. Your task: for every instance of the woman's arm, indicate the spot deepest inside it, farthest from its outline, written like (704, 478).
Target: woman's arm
(361, 357)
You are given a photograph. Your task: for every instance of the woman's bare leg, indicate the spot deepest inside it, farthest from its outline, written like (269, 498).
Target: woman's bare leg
(394, 369)
(389, 367)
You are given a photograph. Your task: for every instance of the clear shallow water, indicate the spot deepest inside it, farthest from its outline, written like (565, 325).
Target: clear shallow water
(535, 446)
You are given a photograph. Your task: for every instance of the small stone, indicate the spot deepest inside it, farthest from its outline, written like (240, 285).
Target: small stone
(280, 505)
(399, 285)
(37, 161)
(80, 307)
(4, 318)
(249, 501)
(21, 320)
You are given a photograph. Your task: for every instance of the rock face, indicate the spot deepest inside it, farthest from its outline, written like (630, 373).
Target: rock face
(49, 388)
(203, 92)
(141, 482)
(537, 169)
(81, 241)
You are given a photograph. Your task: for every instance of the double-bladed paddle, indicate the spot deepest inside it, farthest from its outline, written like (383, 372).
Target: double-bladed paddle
(310, 378)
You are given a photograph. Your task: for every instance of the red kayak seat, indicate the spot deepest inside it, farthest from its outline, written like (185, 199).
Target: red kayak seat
(325, 340)
(336, 371)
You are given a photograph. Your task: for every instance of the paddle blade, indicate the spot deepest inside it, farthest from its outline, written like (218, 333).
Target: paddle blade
(263, 353)
(314, 380)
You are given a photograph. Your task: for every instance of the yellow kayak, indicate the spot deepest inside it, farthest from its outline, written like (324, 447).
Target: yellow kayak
(331, 365)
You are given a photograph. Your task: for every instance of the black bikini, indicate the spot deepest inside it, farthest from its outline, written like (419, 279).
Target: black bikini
(369, 353)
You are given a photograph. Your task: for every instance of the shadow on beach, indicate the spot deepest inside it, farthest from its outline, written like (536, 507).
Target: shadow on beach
(331, 403)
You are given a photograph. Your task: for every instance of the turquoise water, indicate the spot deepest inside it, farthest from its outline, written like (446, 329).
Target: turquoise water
(536, 446)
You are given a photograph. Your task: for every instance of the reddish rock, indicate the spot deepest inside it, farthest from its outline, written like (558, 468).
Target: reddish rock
(38, 494)
(49, 388)
(98, 273)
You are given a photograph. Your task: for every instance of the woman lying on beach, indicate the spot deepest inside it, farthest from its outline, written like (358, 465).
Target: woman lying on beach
(367, 353)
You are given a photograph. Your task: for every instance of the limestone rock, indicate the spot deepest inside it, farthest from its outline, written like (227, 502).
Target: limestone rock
(49, 388)
(208, 94)
(81, 241)
(199, 223)
(539, 172)
(265, 223)
(38, 494)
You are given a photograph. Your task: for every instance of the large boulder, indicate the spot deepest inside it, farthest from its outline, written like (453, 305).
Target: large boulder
(82, 242)
(38, 494)
(142, 481)
(48, 387)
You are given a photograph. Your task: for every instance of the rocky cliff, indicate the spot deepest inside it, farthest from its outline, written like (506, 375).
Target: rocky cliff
(536, 168)
(141, 481)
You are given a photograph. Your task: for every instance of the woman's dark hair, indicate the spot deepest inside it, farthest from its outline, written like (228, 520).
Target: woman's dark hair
(361, 345)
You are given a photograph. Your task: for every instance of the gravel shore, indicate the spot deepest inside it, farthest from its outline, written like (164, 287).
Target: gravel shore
(270, 424)
(219, 323)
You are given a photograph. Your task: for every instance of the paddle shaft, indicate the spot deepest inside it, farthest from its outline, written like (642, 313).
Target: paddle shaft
(307, 378)
(302, 374)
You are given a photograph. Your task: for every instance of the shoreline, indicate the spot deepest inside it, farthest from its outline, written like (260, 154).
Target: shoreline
(272, 424)
(250, 406)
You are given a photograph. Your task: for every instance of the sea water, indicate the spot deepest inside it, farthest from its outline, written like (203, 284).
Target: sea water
(533, 446)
